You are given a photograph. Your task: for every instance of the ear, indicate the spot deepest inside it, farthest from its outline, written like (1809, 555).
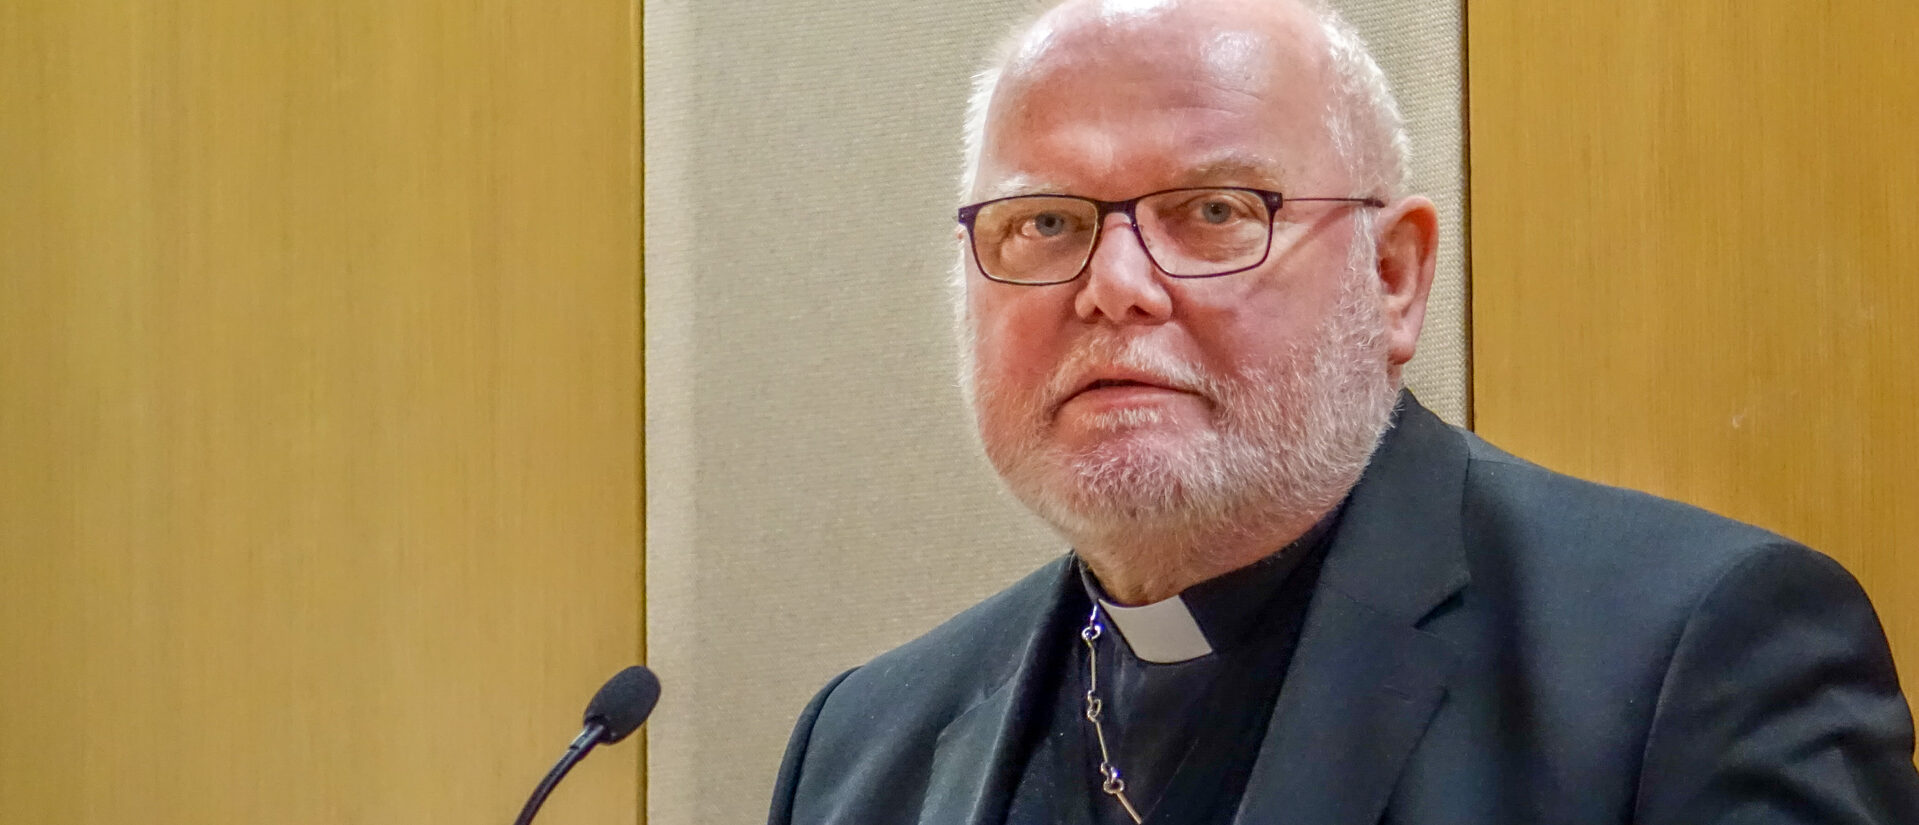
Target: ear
(1408, 233)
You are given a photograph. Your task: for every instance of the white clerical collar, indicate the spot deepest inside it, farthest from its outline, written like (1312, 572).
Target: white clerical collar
(1162, 633)
(1169, 632)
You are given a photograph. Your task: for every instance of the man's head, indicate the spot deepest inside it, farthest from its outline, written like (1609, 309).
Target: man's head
(1152, 417)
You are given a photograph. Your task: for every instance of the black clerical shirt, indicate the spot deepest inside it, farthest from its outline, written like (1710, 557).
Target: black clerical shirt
(1184, 734)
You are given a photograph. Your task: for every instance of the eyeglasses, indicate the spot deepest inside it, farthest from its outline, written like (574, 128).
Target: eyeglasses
(1188, 233)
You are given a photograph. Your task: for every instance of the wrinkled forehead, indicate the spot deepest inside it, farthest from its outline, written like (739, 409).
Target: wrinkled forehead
(1128, 80)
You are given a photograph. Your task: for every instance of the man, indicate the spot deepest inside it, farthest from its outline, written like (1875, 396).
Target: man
(1190, 283)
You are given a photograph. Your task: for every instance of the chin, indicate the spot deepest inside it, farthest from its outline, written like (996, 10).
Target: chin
(1143, 437)
(1138, 481)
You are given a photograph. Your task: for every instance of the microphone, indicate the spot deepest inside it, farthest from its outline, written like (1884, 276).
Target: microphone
(620, 707)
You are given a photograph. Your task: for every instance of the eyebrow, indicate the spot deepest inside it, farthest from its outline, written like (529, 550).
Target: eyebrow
(1022, 185)
(1236, 168)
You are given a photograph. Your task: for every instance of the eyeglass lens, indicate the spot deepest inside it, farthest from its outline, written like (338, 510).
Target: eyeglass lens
(1188, 232)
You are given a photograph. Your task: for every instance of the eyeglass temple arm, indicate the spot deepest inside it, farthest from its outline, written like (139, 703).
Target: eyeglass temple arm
(1372, 202)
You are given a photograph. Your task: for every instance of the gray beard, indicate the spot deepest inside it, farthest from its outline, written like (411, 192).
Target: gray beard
(1292, 437)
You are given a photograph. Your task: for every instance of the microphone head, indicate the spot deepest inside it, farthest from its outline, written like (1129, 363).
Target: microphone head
(623, 703)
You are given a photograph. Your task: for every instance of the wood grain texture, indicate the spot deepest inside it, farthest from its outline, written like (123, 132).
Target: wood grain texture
(318, 402)
(1693, 262)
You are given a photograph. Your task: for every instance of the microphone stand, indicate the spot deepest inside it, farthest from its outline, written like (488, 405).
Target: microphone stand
(588, 738)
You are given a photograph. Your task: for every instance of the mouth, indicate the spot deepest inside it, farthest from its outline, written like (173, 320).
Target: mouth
(1120, 389)
(1117, 382)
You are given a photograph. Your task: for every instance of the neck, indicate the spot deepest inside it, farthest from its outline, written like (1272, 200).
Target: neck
(1141, 566)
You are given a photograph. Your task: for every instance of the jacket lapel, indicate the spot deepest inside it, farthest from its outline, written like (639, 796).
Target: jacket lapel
(979, 756)
(1365, 679)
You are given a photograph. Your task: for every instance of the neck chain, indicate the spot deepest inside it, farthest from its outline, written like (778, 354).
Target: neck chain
(1110, 782)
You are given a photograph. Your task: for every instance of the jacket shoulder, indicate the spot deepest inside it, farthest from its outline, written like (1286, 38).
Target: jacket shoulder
(1612, 572)
(878, 726)
(1510, 501)
(952, 666)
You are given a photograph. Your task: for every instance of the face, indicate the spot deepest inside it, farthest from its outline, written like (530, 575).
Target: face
(1128, 400)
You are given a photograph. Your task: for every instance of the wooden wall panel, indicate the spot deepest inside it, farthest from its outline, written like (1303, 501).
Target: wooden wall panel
(1693, 262)
(319, 378)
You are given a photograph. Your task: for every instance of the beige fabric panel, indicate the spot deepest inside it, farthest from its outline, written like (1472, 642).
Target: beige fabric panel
(1418, 42)
(815, 495)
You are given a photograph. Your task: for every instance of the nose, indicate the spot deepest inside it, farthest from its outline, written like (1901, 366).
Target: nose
(1122, 286)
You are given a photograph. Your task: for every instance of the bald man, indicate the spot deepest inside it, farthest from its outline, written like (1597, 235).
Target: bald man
(1191, 277)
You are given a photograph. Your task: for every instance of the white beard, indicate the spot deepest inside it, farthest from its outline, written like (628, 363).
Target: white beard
(1292, 437)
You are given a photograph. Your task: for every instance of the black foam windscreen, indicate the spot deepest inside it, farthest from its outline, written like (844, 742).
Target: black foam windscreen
(624, 702)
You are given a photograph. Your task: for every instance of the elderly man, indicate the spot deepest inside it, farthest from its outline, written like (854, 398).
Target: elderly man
(1190, 283)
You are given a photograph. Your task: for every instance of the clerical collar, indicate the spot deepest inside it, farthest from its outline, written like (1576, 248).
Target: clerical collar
(1215, 614)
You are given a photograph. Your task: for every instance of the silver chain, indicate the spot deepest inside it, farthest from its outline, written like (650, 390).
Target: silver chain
(1110, 782)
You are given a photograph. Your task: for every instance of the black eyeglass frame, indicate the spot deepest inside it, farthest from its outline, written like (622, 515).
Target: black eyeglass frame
(1273, 200)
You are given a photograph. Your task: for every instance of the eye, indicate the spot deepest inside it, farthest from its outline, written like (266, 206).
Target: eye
(1219, 212)
(1207, 208)
(1048, 224)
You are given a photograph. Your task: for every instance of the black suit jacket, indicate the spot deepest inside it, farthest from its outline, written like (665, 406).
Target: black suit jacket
(1490, 642)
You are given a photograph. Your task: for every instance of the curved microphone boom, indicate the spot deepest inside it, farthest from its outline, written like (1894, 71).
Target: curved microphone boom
(620, 707)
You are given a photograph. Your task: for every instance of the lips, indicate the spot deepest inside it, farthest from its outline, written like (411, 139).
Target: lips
(1125, 380)
(1103, 383)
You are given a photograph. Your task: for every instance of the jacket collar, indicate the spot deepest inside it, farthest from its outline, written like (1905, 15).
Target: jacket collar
(1365, 679)
(1400, 548)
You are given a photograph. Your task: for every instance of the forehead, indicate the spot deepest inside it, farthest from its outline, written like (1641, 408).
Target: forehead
(1106, 102)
